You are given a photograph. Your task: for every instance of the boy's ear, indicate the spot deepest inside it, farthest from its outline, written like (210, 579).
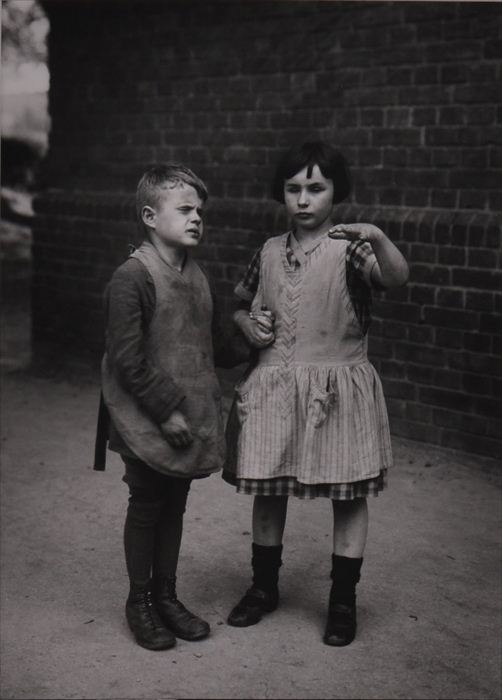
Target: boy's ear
(148, 216)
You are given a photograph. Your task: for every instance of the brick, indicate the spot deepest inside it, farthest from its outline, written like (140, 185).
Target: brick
(472, 443)
(490, 323)
(470, 362)
(444, 198)
(399, 389)
(415, 431)
(420, 374)
(450, 298)
(430, 274)
(418, 413)
(460, 421)
(451, 255)
(480, 257)
(448, 379)
(479, 279)
(421, 355)
(473, 199)
(477, 342)
(422, 294)
(420, 334)
(476, 384)
(423, 116)
(450, 318)
(455, 400)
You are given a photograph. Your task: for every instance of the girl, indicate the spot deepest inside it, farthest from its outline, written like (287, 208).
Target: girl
(309, 419)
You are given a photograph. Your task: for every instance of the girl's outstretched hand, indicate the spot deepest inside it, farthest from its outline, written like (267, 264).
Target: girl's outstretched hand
(391, 269)
(356, 232)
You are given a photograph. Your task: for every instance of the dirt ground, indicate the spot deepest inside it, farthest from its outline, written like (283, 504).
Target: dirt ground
(429, 597)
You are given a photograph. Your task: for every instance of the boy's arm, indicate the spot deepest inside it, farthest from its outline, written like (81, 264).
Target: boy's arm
(130, 301)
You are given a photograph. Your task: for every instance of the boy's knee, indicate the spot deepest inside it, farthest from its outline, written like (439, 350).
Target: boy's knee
(145, 506)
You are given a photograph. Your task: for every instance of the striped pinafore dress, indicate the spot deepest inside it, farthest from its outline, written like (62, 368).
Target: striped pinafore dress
(309, 419)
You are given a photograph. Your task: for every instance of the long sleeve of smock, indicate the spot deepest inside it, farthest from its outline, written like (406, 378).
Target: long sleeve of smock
(129, 307)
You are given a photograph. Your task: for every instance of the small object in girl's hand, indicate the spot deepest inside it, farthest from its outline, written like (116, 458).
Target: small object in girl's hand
(252, 316)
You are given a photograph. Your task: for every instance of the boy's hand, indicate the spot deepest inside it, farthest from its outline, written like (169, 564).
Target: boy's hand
(176, 430)
(258, 327)
(356, 232)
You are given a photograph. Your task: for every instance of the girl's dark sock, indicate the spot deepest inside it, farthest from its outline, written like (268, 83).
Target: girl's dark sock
(266, 562)
(345, 573)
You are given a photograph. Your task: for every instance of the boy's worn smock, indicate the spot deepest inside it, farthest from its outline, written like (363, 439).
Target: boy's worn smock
(311, 413)
(177, 344)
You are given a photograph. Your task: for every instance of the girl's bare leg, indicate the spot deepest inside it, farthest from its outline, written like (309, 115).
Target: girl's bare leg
(269, 519)
(350, 527)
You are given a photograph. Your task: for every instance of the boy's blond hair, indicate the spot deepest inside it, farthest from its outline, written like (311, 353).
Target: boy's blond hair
(161, 177)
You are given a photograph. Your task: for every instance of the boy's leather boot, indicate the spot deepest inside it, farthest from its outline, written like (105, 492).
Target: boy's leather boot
(341, 624)
(144, 621)
(263, 596)
(175, 616)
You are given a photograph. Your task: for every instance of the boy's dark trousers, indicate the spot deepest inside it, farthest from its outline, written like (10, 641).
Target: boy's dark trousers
(152, 538)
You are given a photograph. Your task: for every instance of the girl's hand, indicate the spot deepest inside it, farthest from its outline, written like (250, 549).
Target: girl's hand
(356, 232)
(390, 269)
(257, 327)
(176, 430)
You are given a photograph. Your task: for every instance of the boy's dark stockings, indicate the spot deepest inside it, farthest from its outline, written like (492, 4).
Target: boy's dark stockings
(152, 533)
(341, 624)
(263, 596)
(152, 540)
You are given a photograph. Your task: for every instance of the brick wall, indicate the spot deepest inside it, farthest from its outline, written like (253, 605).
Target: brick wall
(411, 92)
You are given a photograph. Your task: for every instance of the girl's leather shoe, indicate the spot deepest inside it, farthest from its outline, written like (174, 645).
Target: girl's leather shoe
(341, 625)
(251, 608)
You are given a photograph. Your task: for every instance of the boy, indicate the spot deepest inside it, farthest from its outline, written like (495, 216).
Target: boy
(161, 395)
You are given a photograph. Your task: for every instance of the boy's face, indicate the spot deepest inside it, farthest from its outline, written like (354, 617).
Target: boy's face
(176, 220)
(308, 196)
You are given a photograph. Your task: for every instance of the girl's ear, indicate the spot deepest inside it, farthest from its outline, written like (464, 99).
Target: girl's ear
(148, 216)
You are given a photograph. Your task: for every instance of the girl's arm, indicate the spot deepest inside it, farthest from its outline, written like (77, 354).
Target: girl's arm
(391, 269)
(258, 329)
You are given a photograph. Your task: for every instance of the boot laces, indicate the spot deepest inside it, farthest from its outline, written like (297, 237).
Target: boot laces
(152, 611)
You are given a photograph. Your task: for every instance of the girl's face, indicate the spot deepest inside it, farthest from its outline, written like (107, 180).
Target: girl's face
(308, 197)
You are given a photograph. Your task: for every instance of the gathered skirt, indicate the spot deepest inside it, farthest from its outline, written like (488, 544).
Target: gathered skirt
(309, 431)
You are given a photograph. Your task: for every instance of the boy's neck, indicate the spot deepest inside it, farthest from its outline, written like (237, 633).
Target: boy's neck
(175, 257)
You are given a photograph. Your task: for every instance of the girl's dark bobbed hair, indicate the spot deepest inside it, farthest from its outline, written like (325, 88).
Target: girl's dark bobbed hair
(331, 162)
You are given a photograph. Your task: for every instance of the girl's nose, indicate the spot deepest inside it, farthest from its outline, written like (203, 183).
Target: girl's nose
(303, 199)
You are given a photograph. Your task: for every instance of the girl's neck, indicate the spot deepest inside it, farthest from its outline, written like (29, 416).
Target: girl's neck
(307, 237)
